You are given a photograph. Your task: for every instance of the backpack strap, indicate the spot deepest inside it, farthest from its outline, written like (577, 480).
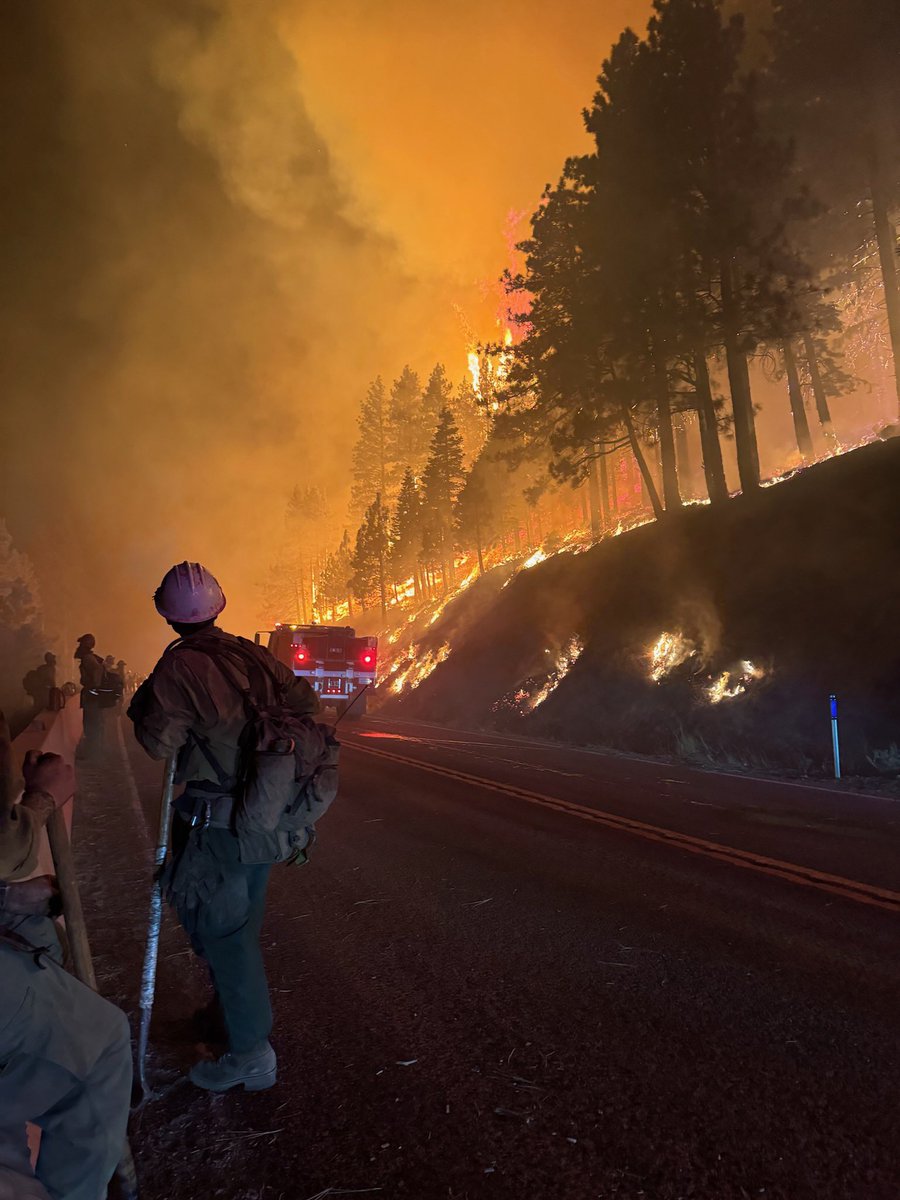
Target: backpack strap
(225, 781)
(261, 680)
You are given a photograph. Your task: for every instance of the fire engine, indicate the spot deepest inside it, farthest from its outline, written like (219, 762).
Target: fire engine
(336, 662)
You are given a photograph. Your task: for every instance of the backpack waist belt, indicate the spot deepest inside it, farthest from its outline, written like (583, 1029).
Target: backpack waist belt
(205, 808)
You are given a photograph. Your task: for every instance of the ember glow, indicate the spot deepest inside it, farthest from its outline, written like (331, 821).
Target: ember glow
(669, 651)
(565, 661)
(538, 557)
(734, 682)
(415, 667)
(531, 693)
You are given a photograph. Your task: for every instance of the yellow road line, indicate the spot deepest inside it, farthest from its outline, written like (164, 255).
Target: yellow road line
(850, 889)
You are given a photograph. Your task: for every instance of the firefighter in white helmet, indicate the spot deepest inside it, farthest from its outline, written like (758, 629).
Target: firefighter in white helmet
(215, 880)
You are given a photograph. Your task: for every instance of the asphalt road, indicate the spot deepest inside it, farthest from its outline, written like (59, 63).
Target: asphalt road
(515, 970)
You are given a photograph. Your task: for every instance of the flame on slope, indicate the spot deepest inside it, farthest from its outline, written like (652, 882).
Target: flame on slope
(734, 682)
(669, 651)
(531, 693)
(416, 668)
(538, 556)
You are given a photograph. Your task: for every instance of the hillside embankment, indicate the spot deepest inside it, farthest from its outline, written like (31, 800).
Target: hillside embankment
(714, 636)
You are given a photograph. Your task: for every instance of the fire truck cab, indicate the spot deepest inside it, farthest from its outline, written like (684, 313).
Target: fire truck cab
(336, 662)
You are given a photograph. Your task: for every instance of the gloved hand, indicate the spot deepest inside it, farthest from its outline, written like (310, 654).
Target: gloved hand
(49, 773)
(37, 897)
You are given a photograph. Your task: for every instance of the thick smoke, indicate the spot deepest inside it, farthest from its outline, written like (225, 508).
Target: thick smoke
(189, 309)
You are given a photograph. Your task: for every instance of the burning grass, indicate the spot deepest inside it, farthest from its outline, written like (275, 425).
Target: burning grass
(415, 667)
(734, 682)
(669, 651)
(532, 692)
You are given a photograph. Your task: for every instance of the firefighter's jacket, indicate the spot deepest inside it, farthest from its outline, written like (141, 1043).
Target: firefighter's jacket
(92, 672)
(187, 695)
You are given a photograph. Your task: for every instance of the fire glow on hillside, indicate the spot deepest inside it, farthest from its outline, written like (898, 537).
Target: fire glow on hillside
(413, 668)
(733, 683)
(669, 651)
(672, 650)
(532, 692)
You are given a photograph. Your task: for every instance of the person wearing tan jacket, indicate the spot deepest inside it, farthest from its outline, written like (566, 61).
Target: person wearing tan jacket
(65, 1052)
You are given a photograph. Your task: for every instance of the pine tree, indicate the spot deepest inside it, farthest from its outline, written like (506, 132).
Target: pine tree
(471, 419)
(406, 533)
(308, 522)
(336, 576)
(475, 511)
(665, 246)
(370, 556)
(442, 481)
(437, 396)
(370, 462)
(408, 431)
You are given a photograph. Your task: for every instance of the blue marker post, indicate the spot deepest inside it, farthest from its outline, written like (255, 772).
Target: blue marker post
(834, 737)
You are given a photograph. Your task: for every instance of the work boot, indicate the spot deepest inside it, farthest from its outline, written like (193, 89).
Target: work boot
(254, 1070)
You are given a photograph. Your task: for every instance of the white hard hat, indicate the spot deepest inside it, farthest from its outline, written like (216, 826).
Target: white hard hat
(189, 594)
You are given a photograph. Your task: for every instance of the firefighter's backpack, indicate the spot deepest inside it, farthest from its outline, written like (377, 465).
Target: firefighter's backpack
(287, 764)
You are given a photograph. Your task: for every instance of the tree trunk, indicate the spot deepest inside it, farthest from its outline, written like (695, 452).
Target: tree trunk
(382, 589)
(739, 383)
(711, 447)
(613, 490)
(594, 499)
(604, 492)
(668, 464)
(641, 461)
(478, 546)
(634, 484)
(822, 410)
(887, 254)
(448, 564)
(683, 456)
(798, 408)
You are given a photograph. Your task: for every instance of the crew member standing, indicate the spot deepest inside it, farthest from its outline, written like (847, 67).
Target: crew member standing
(40, 682)
(215, 879)
(65, 1052)
(92, 676)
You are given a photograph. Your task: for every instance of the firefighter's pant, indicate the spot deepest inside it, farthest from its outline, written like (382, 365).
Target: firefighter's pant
(229, 942)
(65, 1066)
(94, 741)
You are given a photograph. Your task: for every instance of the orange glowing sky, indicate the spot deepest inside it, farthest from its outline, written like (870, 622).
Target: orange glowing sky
(445, 118)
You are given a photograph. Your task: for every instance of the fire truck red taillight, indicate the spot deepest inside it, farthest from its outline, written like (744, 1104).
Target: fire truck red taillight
(368, 658)
(301, 655)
